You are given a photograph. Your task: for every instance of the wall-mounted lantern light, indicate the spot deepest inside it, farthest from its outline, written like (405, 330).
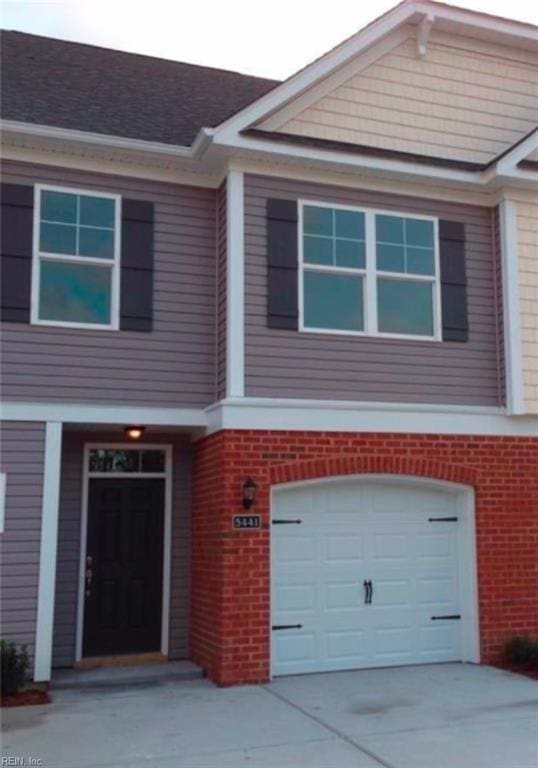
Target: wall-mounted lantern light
(134, 432)
(249, 492)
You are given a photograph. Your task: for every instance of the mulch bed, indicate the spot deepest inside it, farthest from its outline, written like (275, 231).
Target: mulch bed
(25, 699)
(517, 669)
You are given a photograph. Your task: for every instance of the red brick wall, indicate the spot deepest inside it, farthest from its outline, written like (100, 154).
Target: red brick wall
(230, 572)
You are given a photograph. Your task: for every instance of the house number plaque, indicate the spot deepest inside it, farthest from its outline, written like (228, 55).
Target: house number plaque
(245, 522)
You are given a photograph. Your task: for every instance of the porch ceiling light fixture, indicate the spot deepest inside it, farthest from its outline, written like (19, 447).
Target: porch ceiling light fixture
(249, 492)
(134, 432)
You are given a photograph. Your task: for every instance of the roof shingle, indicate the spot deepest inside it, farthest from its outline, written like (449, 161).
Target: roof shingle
(86, 88)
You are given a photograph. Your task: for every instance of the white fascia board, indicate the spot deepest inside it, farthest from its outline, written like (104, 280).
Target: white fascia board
(507, 166)
(235, 284)
(103, 140)
(82, 413)
(406, 12)
(311, 415)
(317, 70)
(325, 157)
(511, 307)
(476, 21)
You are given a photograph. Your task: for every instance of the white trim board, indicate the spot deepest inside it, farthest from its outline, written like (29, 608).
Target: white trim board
(167, 547)
(293, 414)
(90, 413)
(318, 415)
(235, 284)
(467, 566)
(47, 552)
(511, 307)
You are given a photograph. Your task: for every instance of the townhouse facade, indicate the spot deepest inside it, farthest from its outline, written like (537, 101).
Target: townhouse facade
(270, 352)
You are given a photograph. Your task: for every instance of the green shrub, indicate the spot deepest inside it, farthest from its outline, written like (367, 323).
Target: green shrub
(522, 650)
(14, 663)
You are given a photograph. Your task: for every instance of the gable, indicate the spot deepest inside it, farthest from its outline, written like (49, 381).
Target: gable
(466, 99)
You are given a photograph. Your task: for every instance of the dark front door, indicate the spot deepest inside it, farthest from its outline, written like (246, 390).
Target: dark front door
(124, 566)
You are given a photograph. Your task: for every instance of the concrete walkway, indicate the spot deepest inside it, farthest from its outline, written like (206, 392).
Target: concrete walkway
(444, 716)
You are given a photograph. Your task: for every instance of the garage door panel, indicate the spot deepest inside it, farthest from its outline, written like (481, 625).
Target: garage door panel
(295, 549)
(358, 532)
(295, 648)
(343, 549)
(343, 594)
(390, 546)
(438, 640)
(297, 597)
(439, 591)
(390, 593)
(346, 646)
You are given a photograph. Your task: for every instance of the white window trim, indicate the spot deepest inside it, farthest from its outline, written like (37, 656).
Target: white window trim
(166, 475)
(370, 274)
(113, 265)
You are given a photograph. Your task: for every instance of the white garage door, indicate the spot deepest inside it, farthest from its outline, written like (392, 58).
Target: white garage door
(369, 577)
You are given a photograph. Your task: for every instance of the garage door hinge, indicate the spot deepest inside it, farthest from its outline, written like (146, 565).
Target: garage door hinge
(442, 519)
(287, 522)
(449, 616)
(286, 626)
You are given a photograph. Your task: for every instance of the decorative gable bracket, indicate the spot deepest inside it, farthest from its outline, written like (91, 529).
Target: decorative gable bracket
(423, 34)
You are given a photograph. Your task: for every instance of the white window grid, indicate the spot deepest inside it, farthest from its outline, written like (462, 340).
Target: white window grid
(112, 264)
(370, 273)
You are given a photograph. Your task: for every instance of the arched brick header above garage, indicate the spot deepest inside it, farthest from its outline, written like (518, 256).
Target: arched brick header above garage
(332, 466)
(230, 578)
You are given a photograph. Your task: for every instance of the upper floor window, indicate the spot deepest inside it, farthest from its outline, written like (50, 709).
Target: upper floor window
(368, 272)
(76, 258)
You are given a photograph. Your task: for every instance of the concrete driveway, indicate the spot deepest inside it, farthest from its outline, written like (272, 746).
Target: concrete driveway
(444, 716)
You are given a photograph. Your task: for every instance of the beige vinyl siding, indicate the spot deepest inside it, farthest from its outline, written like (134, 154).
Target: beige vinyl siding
(22, 457)
(280, 363)
(527, 223)
(174, 364)
(67, 566)
(465, 100)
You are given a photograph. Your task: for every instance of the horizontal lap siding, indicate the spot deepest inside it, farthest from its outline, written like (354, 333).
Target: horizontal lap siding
(306, 365)
(174, 365)
(22, 451)
(67, 571)
(431, 105)
(527, 224)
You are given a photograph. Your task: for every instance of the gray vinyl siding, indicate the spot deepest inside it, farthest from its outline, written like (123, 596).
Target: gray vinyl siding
(221, 292)
(22, 456)
(282, 363)
(67, 569)
(174, 365)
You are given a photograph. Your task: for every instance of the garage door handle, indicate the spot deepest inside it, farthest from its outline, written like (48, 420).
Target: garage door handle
(449, 616)
(368, 591)
(277, 627)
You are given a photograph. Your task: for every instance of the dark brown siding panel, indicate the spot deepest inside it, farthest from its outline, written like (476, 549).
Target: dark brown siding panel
(67, 573)
(282, 264)
(221, 292)
(452, 255)
(174, 365)
(16, 252)
(22, 457)
(327, 366)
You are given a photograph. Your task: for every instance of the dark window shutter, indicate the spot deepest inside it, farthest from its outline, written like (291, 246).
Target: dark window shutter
(282, 264)
(453, 281)
(136, 296)
(16, 252)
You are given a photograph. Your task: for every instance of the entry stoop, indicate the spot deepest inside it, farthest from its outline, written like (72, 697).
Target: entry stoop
(122, 676)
